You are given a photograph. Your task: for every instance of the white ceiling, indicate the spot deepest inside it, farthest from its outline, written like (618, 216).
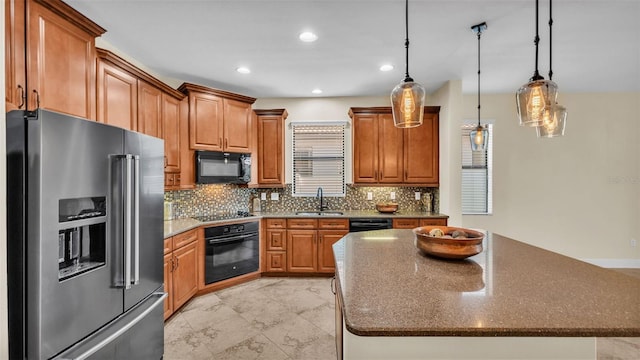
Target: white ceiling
(596, 43)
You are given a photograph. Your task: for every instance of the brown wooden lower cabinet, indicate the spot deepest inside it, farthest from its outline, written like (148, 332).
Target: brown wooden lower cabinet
(168, 283)
(276, 261)
(410, 223)
(180, 270)
(302, 245)
(326, 239)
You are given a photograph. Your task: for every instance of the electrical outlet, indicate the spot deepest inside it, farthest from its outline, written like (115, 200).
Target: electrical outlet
(369, 195)
(263, 196)
(417, 195)
(392, 195)
(633, 242)
(275, 196)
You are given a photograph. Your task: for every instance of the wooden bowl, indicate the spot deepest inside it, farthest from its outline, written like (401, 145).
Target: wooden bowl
(387, 208)
(447, 247)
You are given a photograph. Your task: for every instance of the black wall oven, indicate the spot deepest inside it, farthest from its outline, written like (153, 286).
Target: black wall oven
(231, 250)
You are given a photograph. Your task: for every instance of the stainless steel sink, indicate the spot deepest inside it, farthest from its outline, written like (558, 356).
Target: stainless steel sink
(318, 213)
(307, 213)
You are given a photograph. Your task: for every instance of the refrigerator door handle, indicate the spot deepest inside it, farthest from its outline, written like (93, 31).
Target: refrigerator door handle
(127, 221)
(136, 220)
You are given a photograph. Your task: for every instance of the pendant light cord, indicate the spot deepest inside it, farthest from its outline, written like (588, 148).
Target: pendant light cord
(407, 78)
(550, 38)
(479, 33)
(536, 40)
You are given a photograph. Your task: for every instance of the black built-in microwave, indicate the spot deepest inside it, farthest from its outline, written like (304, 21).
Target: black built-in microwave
(217, 167)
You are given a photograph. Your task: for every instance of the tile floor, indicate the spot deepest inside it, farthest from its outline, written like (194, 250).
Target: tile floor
(284, 318)
(268, 318)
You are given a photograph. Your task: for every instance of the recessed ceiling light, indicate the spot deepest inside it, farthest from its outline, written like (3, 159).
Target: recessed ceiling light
(243, 70)
(308, 36)
(386, 67)
(316, 91)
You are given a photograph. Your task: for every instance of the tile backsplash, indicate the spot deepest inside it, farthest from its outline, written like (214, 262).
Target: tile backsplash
(216, 199)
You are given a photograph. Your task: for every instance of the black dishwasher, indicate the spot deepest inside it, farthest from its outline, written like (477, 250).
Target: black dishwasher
(366, 224)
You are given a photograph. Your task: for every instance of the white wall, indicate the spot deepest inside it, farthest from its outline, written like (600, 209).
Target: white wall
(579, 194)
(449, 98)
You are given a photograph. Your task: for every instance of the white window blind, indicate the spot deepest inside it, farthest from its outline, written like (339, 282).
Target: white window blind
(476, 174)
(318, 160)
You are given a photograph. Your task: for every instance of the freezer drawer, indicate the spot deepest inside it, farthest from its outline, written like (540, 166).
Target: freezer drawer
(137, 334)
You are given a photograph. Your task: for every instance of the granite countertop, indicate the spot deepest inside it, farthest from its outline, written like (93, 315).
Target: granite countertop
(355, 214)
(176, 226)
(389, 288)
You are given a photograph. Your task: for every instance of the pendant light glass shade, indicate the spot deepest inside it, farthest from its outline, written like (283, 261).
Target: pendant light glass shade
(479, 138)
(407, 98)
(534, 99)
(407, 104)
(553, 124)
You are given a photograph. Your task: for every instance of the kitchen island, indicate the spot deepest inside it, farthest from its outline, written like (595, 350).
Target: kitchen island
(512, 300)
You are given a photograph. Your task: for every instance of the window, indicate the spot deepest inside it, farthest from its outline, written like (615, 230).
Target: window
(476, 174)
(318, 159)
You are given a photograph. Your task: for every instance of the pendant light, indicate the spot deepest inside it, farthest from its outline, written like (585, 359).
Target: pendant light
(537, 96)
(553, 123)
(479, 136)
(407, 98)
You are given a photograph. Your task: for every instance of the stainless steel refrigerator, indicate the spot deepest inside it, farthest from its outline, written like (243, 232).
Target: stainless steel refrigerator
(84, 239)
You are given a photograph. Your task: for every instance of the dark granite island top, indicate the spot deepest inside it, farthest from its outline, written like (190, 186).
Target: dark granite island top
(511, 289)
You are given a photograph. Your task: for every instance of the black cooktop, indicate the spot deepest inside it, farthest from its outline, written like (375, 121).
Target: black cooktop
(218, 217)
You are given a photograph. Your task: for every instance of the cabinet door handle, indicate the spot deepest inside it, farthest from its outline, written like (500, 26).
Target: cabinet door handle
(166, 161)
(226, 143)
(375, 174)
(220, 142)
(37, 98)
(406, 175)
(22, 95)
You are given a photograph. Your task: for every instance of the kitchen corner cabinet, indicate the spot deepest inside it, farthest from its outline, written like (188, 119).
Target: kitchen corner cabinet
(180, 269)
(386, 155)
(218, 120)
(149, 110)
(59, 48)
(269, 151)
(130, 98)
(186, 178)
(410, 223)
(171, 132)
(302, 245)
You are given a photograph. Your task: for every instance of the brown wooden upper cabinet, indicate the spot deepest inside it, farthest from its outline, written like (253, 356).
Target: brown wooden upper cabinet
(386, 155)
(269, 170)
(60, 48)
(130, 98)
(218, 120)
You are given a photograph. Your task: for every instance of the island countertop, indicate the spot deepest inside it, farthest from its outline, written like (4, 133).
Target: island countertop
(389, 288)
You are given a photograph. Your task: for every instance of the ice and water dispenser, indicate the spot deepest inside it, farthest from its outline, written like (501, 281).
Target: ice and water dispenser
(81, 236)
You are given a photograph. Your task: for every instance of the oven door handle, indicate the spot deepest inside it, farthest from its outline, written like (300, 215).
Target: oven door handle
(230, 239)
